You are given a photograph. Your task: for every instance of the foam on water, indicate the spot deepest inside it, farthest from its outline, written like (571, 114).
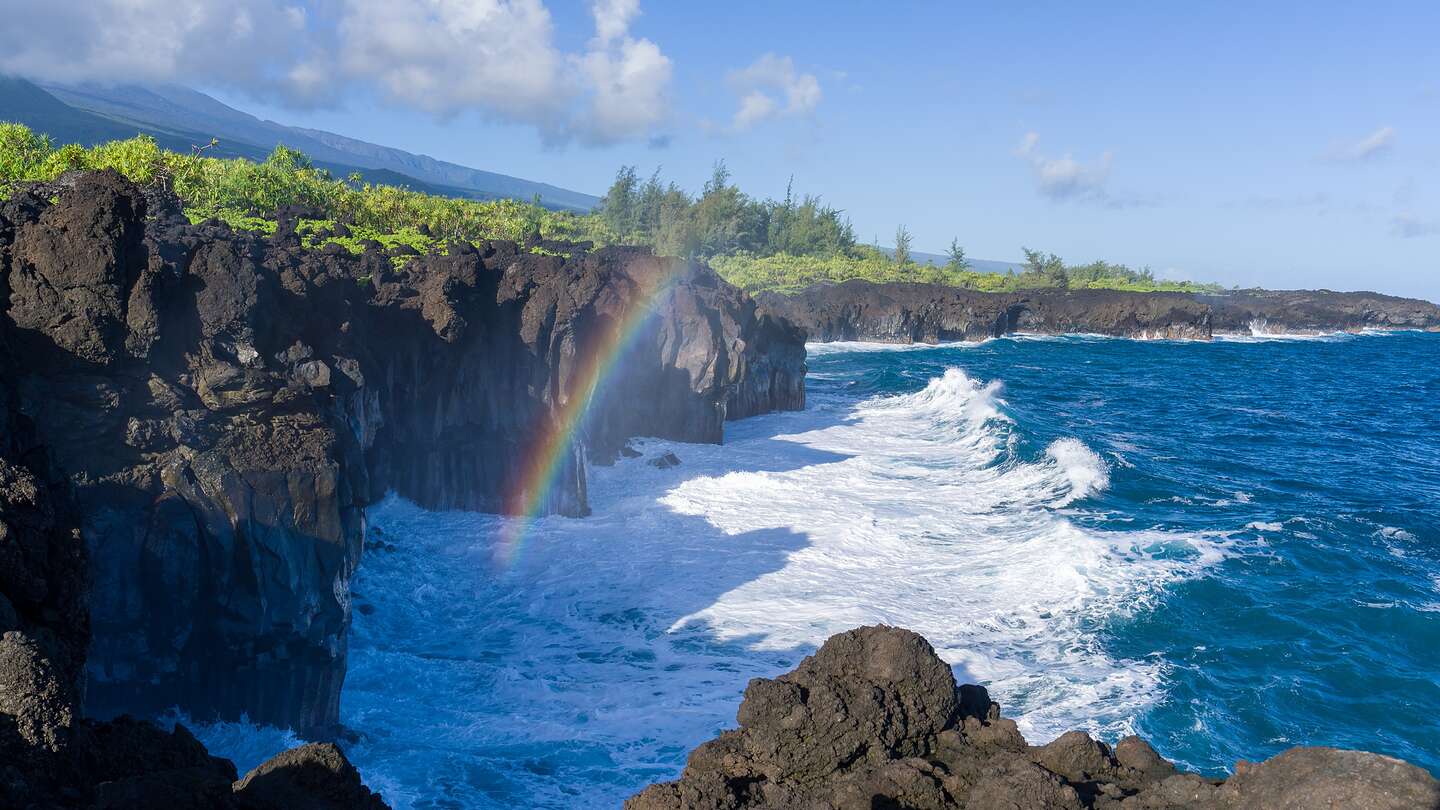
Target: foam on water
(852, 346)
(243, 742)
(1074, 540)
(622, 640)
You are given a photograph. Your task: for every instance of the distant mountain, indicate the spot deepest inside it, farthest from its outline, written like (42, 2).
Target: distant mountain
(978, 265)
(180, 118)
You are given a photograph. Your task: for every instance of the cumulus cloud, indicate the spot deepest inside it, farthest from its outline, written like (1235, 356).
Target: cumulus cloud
(1065, 178)
(248, 42)
(613, 17)
(1376, 143)
(442, 57)
(1409, 226)
(771, 87)
(628, 77)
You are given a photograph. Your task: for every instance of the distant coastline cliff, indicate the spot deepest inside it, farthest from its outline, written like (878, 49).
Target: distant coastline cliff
(932, 313)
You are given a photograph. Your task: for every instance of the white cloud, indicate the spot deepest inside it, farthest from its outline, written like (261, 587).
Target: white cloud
(245, 42)
(1409, 226)
(770, 87)
(1372, 145)
(754, 108)
(442, 57)
(612, 18)
(628, 78)
(1065, 178)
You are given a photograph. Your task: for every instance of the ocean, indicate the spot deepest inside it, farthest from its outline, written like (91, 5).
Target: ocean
(1230, 548)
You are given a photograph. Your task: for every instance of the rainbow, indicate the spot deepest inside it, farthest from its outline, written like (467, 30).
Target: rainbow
(548, 451)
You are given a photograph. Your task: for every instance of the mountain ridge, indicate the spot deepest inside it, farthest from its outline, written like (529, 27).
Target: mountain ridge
(181, 118)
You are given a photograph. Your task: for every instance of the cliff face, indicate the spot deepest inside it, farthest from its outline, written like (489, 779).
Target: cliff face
(206, 414)
(930, 313)
(874, 719)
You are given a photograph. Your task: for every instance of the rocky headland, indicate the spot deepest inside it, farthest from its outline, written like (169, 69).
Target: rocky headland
(874, 719)
(194, 418)
(932, 313)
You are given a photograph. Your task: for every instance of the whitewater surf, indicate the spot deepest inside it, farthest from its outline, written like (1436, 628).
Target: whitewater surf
(1013, 502)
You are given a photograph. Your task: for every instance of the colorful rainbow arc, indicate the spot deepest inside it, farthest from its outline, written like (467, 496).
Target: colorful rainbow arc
(550, 448)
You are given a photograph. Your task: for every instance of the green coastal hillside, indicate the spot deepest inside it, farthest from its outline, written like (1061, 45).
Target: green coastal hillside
(782, 245)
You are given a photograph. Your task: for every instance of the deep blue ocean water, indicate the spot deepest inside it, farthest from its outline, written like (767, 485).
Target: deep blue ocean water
(1230, 548)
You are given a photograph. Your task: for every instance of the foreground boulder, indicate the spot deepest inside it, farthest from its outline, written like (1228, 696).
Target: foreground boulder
(315, 776)
(874, 720)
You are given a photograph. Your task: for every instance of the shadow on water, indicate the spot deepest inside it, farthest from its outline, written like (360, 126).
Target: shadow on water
(475, 684)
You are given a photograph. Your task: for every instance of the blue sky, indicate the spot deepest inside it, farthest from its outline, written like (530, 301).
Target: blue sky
(1290, 145)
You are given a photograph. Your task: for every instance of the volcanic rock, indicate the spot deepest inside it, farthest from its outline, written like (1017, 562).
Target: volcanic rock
(874, 720)
(207, 413)
(315, 777)
(930, 313)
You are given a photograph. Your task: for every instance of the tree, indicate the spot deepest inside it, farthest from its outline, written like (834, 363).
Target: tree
(1045, 269)
(902, 246)
(719, 178)
(957, 262)
(619, 208)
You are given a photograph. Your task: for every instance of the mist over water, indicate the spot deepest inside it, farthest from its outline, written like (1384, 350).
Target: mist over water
(1230, 548)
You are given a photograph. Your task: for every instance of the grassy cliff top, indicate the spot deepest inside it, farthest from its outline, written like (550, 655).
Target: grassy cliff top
(755, 244)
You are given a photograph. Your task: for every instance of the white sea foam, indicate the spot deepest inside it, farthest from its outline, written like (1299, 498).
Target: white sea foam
(243, 742)
(619, 641)
(845, 346)
(1262, 332)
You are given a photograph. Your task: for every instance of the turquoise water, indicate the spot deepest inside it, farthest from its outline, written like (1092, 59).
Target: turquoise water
(1230, 548)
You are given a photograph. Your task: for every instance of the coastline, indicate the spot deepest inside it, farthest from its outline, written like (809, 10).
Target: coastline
(261, 395)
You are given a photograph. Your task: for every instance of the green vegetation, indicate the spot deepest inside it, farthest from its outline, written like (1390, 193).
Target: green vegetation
(756, 244)
(247, 194)
(789, 244)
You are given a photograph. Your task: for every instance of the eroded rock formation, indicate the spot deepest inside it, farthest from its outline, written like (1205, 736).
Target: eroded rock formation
(207, 412)
(874, 720)
(931, 313)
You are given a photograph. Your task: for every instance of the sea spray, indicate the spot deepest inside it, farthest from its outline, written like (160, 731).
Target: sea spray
(918, 489)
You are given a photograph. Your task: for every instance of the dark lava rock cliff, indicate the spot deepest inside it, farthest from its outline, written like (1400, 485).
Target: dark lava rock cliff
(931, 313)
(874, 720)
(195, 418)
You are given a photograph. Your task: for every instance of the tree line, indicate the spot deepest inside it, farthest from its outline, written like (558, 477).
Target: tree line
(790, 243)
(722, 220)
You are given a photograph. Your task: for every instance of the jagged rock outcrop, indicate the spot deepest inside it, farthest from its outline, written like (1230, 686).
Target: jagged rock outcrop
(316, 776)
(207, 412)
(930, 313)
(125, 764)
(874, 720)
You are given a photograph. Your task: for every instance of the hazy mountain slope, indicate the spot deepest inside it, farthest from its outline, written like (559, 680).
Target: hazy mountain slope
(24, 102)
(177, 108)
(978, 265)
